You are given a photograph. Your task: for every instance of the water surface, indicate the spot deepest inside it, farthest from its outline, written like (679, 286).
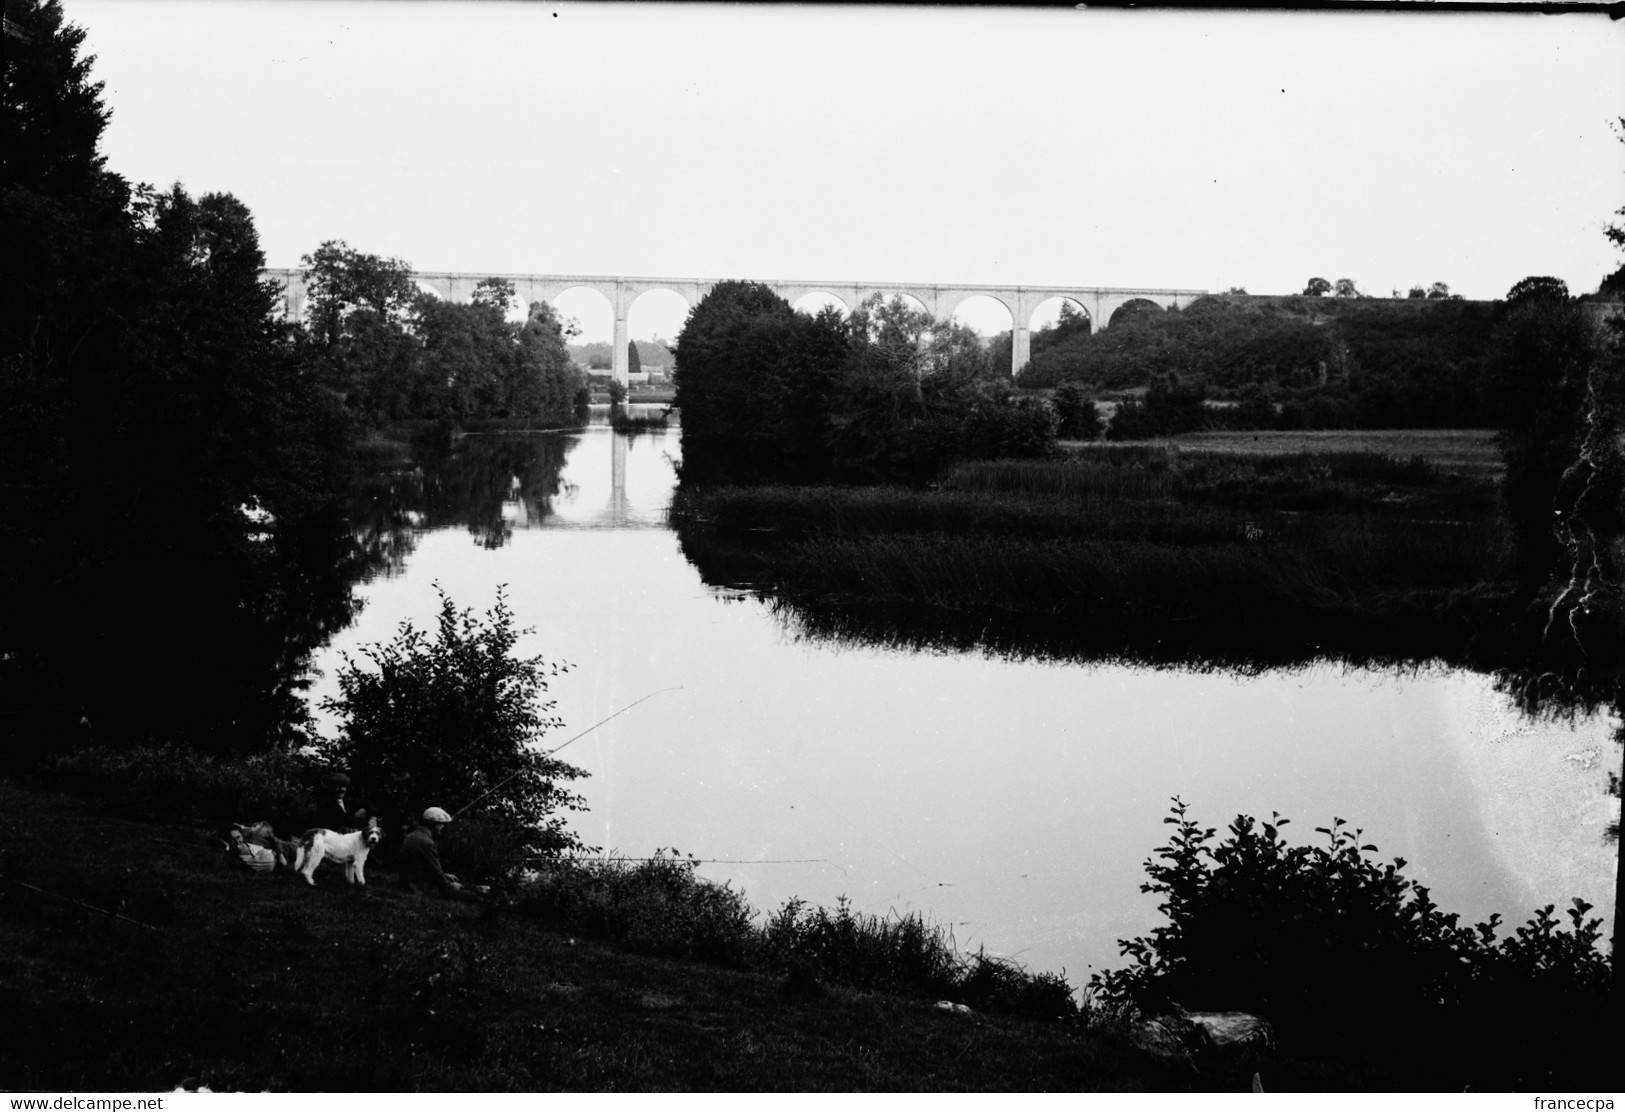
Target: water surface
(1011, 801)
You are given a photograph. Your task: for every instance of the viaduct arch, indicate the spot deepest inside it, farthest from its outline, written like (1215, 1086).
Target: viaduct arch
(1100, 302)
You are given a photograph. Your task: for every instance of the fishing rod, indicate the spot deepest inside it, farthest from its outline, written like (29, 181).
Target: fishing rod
(556, 748)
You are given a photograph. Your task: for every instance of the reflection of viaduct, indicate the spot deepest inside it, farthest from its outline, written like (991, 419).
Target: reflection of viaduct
(940, 300)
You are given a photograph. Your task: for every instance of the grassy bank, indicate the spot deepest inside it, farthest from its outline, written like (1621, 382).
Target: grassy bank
(1119, 545)
(134, 960)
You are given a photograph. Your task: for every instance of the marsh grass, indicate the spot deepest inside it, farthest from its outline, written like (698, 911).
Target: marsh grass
(1139, 542)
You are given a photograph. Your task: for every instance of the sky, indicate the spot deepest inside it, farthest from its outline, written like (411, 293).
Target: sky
(1011, 146)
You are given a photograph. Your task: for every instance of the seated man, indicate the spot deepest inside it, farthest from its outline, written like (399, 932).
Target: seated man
(333, 812)
(420, 861)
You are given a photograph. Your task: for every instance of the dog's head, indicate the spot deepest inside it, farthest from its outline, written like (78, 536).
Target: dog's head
(373, 832)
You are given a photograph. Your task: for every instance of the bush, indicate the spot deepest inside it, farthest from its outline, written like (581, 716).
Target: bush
(1079, 417)
(1010, 428)
(654, 906)
(1301, 934)
(454, 723)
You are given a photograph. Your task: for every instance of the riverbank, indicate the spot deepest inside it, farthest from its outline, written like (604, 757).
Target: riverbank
(135, 961)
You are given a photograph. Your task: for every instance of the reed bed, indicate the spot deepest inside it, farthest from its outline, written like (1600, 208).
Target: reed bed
(1137, 541)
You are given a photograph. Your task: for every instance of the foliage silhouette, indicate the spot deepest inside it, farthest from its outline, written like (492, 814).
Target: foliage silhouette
(889, 394)
(170, 466)
(1300, 934)
(454, 722)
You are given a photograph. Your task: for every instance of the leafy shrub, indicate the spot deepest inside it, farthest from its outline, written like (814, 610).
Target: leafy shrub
(1299, 934)
(1079, 417)
(1170, 406)
(454, 723)
(1010, 428)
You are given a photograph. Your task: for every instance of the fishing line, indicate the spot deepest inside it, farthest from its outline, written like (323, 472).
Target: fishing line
(574, 859)
(556, 748)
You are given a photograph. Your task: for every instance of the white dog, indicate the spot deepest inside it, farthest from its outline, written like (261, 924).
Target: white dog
(349, 850)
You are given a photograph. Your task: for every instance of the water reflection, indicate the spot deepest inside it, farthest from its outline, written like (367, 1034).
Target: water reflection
(1007, 790)
(494, 484)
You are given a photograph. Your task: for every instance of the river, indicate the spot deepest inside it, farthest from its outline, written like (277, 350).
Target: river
(1011, 802)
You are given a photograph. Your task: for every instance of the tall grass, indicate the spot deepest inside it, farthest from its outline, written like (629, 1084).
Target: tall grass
(659, 906)
(1124, 548)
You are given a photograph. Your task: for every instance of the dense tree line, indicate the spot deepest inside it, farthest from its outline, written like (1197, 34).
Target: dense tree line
(392, 352)
(173, 454)
(886, 394)
(172, 549)
(1335, 363)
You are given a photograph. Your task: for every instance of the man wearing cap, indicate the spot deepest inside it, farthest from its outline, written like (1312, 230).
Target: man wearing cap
(420, 860)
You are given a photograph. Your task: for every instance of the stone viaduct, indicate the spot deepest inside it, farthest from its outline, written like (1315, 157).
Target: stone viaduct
(940, 300)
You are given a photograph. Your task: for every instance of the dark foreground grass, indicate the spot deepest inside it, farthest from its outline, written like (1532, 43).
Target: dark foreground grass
(134, 961)
(246, 982)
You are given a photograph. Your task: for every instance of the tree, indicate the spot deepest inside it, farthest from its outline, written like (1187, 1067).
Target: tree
(356, 329)
(634, 365)
(1079, 417)
(1074, 320)
(1345, 287)
(494, 293)
(1615, 282)
(1074, 323)
(545, 385)
(1417, 293)
(1537, 288)
(454, 722)
(726, 358)
(1550, 374)
(1317, 287)
(341, 281)
(169, 465)
(1438, 291)
(464, 359)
